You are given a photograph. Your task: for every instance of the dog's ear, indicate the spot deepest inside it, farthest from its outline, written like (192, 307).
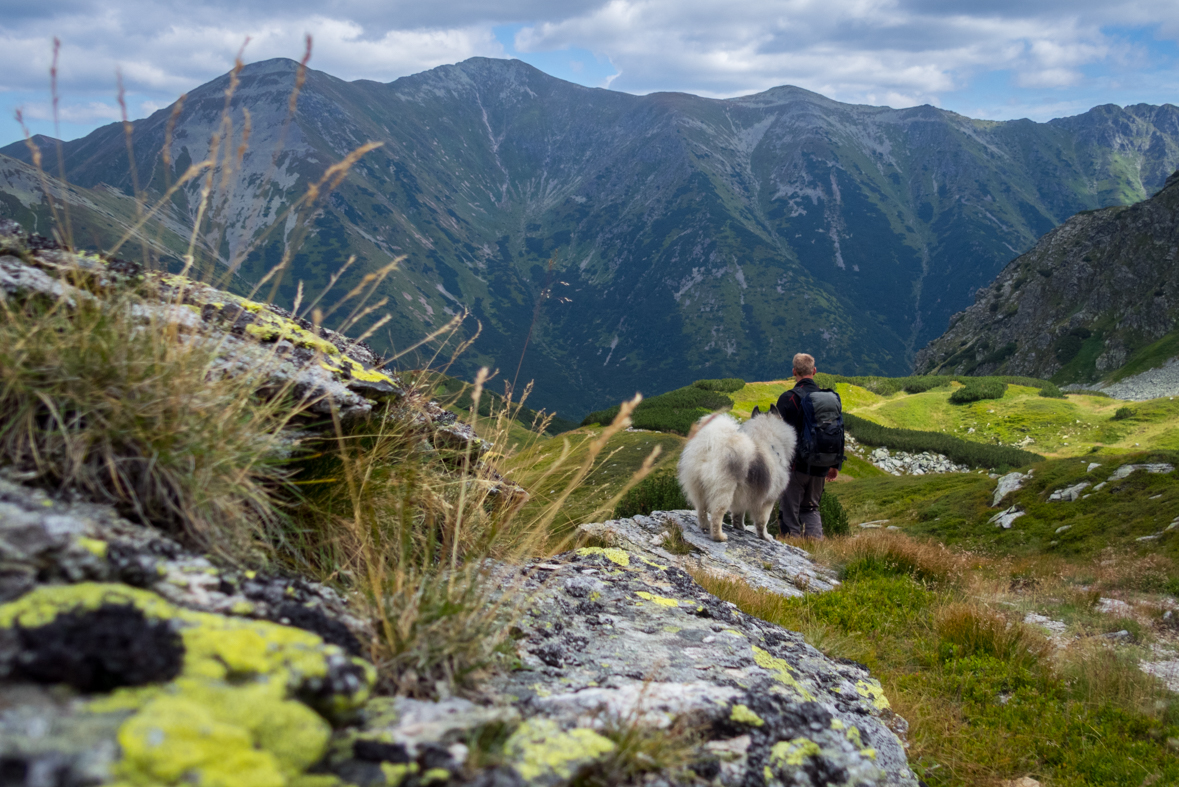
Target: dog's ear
(774, 411)
(756, 411)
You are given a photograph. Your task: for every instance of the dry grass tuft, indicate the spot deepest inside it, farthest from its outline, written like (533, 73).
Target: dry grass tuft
(973, 630)
(889, 552)
(107, 397)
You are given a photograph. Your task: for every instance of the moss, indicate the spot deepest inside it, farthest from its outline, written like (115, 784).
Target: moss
(781, 671)
(395, 773)
(660, 600)
(743, 715)
(612, 554)
(229, 717)
(539, 748)
(793, 752)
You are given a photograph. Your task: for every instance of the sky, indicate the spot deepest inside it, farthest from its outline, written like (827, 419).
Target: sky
(997, 59)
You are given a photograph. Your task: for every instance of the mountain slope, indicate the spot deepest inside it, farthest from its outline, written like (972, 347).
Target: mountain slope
(688, 237)
(1097, 295)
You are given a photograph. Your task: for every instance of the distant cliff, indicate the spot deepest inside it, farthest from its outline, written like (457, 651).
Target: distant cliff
(1096, 298)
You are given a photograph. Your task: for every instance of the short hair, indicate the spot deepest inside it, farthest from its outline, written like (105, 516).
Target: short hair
(804, 364)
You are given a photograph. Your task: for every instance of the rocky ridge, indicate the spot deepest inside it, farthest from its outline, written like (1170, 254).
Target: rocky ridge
(718, 220)
(1093, 293)
(904, 463)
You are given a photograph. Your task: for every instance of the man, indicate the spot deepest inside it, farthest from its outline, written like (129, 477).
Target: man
(799, 505)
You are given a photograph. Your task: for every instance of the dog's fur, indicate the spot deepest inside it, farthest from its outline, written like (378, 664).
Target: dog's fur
(726, 467)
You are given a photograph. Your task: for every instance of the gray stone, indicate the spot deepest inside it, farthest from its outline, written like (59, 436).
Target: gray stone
(1008, 484)
(1004, 519)
(1069, 494)
(776, 567)
(1125, 470)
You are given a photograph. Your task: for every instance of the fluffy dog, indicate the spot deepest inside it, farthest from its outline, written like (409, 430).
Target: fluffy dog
(726, 467)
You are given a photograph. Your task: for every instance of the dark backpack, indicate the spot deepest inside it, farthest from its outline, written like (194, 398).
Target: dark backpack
(821, 443)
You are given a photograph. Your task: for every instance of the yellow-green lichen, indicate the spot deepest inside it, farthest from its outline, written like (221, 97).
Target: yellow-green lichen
(837, 724)
(853, 735)
(435, 776)
(395, 773)
(660, 600)
(869, 753)
(743, 715)
(793, 752)
(93, 546)
(781, 670)
(870, 689)
(229, 718)
(538, 748)
(651, 563)
(613, 554)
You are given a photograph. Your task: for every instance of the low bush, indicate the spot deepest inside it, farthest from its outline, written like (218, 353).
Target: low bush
(979, 389)
(725, 385)
(1050, 391)
(833, 516)
(674, 411)
(1124, 413)
(658, 492)
(996, 457)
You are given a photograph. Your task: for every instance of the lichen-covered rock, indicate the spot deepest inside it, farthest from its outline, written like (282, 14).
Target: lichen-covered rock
(197, 696)
(617, 637)
(778, 568)
(321, 368)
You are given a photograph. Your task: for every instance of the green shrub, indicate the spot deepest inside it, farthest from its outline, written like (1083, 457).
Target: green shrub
(725, 385)
(1050, 391)
(997, 457)
(657, 492)
(978, 389)
(674, 411)
(1123, 413)
(833, 516)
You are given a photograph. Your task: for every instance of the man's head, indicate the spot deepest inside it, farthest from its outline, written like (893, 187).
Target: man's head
(804, 366)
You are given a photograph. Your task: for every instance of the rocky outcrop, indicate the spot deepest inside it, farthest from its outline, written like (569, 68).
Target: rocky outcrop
(321, 370)
(126, 657)
(1093, 292)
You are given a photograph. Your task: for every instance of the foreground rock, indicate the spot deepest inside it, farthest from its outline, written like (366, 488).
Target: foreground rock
(125, 657)
(615, 638)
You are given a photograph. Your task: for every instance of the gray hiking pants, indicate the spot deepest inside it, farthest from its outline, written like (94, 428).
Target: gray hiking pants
(798, 508)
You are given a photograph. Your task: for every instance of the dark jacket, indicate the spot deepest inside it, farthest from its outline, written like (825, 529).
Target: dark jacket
(792, 414)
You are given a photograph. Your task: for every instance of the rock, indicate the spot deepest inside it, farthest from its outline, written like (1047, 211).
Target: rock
(1125, 470)
(1056, 627)
(1004, 519)
(1099, 487)
(1008, 484)
(776, 567)
(1063, 528)
(648, 647)
(1119, 636)
(1092, 466)
(1113, 606)
(1069, 494)
(1023, 781)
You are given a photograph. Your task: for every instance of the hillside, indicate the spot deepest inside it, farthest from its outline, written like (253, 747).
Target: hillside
(1097, 298)
(686, 236)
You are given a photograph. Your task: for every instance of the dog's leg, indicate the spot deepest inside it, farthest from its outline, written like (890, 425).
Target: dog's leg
(702, 519)
(716, 521)
(763, 521)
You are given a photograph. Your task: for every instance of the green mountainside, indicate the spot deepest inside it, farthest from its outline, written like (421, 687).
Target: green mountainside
(665, 237)
(1097, 297)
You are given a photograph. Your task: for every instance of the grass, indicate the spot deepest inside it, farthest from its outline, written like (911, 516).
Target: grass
(101, 398)
(675, 411)
(955, 509)
(985, 696)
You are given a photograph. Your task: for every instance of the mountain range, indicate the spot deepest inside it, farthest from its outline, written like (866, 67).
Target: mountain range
(614, 242)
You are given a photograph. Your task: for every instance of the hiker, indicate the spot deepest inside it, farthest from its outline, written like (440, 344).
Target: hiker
(817, 417)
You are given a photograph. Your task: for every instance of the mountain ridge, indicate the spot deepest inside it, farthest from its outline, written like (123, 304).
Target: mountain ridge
(693, 236)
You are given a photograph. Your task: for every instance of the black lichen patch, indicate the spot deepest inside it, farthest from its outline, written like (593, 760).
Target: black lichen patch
(379, 751)
(100, 650)
(314, 620)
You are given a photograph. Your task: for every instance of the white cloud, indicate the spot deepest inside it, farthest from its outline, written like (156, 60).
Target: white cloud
(899, 52)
